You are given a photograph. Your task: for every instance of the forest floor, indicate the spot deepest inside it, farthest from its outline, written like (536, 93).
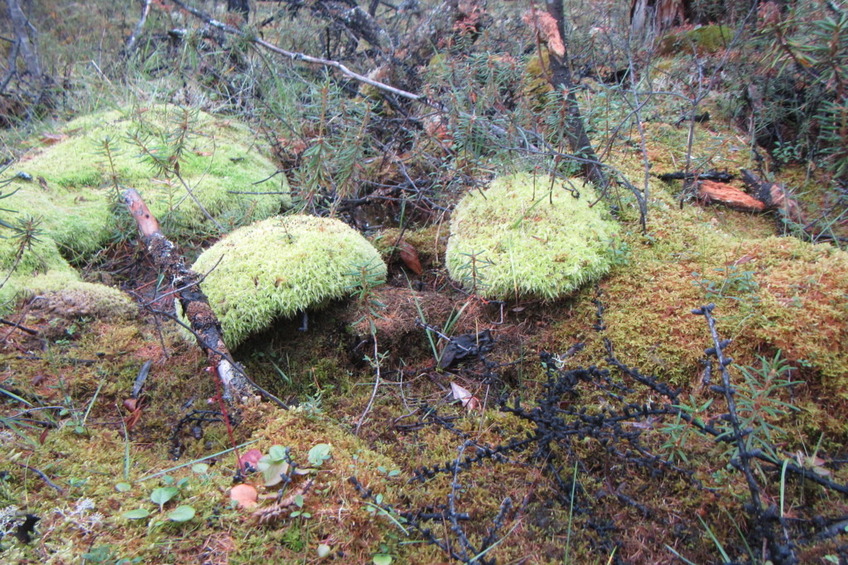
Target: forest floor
(587, 429)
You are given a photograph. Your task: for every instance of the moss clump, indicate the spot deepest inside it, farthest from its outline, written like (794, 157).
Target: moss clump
(39, 268)
(64, 292)
(72, 187)
(525, 236)
(279, 266)
(704, 39)
(65, 193)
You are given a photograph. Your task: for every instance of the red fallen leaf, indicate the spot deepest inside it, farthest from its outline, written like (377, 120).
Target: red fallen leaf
(245, 495)
(409, 256)
(43, 436)
(249, 460)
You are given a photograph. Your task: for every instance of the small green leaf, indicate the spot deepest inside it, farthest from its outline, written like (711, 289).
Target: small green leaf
(382, 559)
(295, 514)
(319, 453)
(182, 513)
(162, 495)
(278, 453)
(272, 471)
(123, 487)
(323, 550)
(200, 468)
(137, 514)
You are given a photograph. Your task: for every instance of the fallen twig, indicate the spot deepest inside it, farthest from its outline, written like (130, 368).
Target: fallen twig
(204, 323)
(296, 56)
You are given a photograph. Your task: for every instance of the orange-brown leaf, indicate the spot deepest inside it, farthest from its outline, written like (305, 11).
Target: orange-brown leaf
(409, 256)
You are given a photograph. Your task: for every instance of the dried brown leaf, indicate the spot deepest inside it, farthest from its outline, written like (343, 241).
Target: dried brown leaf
(409, 256)
(280, 509)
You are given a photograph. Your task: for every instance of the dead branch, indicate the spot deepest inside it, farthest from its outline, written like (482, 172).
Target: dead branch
(26, 47)
(204, 323)
(133, 39)
(295, 56)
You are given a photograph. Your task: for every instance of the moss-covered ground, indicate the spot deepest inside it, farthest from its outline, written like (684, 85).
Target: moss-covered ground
(496, 457)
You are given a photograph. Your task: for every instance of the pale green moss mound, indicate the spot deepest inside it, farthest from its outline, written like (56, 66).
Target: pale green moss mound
(279, 266)
(71, 186)
(521, 237)
(63, 291)
(67, 189)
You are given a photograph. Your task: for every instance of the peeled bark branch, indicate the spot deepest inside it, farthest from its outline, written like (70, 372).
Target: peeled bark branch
(186, 283)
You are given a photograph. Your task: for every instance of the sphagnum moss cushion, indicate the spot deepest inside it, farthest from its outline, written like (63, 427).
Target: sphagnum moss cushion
(527, 236)
(279, 266)
(66, 191)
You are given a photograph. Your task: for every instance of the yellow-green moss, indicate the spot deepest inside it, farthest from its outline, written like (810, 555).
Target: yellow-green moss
(279, 266)
(704, 39)
(528, 236)
(72, 190)
(63, 289)
(70, 194)
(771, 293)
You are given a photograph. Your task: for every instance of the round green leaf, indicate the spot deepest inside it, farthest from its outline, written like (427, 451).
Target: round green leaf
(382, 559)
(182, 513)
(273, 472)
(123, 487)
(162, 495)
(200, 468)
(137, 514)
(277, 453)
(319, 454)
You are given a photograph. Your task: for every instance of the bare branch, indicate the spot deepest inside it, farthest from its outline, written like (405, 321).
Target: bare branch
(296, 56)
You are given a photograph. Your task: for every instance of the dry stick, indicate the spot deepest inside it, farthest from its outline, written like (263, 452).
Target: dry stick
(295, 56)
(203, 321)
(139, 27)
(759, 515)
(374, 390)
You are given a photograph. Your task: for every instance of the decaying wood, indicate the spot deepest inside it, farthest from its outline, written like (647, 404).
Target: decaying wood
(186, 284)
(764, 196)
(774, 196)
(649, 17)
(561, 79)
(409, 256)
(711, 191)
